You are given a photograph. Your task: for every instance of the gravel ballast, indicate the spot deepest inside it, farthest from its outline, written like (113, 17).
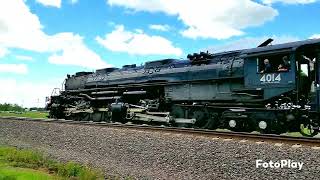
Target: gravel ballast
(155, 155)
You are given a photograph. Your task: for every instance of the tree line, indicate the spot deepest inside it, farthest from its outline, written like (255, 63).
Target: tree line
(11, 107)
(17, 108)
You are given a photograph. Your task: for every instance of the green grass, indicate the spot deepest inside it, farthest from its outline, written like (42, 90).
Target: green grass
(12, 173)
(27, 164)
(29, 114)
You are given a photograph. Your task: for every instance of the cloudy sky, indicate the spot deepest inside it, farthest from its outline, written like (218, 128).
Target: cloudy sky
(43, 40)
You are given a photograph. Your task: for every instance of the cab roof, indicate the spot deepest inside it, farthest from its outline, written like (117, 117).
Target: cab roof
(285, 46)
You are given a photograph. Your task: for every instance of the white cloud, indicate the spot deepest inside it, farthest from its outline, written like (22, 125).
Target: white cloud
(24, 58)
(138, 43)
(315, 36)
(19, 28)
(13, 68)
(53, 3)
(289, 1)
(70, 49)
(75, 52)
(249, 42)
(207, 18)
(27, 94)
(159, 27)
(140, 31)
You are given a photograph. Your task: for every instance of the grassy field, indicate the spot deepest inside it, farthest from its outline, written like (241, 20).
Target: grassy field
(29, 114)
(18, 164)
(8, 173)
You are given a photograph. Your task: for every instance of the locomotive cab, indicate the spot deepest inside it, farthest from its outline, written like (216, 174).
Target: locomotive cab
(271, 72)
(288, 76)
(289, 70)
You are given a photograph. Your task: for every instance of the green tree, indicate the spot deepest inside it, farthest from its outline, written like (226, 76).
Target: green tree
(11, 107)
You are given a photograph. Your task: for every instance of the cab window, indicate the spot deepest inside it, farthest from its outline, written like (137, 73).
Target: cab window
(273, 63)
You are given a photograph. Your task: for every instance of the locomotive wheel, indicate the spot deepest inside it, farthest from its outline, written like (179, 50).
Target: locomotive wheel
(177, 112)
(279, 128)
(307, 129)
(205, 119)
(118, 117)
(96, 116)
(81, 116)
(213, 121)
(243, 125)
(264, 127)
(201, 118)
(235, 125)
(84, 116)
(108, 116)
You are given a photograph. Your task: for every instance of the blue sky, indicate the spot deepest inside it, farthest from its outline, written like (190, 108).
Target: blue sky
(43, 40)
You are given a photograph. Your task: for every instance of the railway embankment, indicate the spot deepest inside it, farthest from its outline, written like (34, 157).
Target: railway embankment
(141, 154)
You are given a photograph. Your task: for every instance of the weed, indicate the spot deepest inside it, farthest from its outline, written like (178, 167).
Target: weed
(35, 160)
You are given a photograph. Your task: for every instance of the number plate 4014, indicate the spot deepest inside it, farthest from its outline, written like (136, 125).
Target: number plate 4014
(270, 78)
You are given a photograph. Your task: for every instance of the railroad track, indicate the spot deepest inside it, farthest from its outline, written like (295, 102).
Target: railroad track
(241, 136)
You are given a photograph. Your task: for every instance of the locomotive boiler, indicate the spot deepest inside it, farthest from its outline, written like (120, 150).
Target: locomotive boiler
(270, 89)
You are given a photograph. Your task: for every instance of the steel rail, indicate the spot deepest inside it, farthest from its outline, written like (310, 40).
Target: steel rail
(308, 141)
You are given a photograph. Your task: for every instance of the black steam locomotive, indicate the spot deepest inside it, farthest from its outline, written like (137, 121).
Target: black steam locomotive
(271, 89)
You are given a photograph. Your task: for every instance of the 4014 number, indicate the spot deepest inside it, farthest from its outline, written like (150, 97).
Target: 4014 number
(270, 78)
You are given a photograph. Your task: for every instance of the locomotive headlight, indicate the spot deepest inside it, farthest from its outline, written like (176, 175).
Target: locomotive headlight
(232, 123)
(262, 125)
